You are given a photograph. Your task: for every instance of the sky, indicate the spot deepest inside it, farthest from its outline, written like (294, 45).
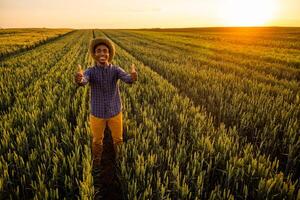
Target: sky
(147, 13)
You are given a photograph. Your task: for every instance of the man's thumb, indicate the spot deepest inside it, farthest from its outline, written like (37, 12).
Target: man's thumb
(79, 68)
(133, 67)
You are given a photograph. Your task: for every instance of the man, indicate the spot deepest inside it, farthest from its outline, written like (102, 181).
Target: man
(106, 107)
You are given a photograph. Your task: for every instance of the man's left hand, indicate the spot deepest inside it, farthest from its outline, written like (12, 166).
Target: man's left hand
(133, 72)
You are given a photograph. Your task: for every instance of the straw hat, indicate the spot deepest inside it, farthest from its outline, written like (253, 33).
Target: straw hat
(102, 40)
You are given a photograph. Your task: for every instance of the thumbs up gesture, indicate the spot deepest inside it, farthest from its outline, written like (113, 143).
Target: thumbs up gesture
(79, 75)
(133, 72)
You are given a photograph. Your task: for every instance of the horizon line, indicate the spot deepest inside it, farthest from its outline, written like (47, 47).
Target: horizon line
(154, 27)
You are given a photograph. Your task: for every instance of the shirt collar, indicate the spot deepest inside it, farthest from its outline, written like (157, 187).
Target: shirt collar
(103, 66)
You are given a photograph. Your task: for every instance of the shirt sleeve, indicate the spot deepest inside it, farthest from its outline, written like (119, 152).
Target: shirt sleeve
(86, 76)
(124, 76)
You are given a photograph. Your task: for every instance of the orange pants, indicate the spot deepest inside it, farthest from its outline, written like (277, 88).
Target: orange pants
(98, 126)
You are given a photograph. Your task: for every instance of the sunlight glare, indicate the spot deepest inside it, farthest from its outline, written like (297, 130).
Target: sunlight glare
(248, 12)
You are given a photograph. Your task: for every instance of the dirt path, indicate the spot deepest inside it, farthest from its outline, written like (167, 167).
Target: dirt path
(106, 183)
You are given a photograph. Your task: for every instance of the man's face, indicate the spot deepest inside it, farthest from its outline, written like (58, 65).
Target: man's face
(102, 54)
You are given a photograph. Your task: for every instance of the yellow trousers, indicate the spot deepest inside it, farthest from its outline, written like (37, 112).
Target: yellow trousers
(98, 126)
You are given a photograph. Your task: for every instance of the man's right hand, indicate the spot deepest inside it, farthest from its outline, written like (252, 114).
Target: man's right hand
(79, 75)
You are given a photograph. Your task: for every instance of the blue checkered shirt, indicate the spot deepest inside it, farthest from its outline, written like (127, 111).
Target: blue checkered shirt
(105, 94)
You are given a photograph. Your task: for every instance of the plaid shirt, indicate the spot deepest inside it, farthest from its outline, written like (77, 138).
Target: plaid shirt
(105, 94)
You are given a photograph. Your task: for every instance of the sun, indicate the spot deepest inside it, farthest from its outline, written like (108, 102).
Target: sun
(247, 12)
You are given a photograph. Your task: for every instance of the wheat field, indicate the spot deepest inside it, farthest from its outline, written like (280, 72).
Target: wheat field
(215, 114)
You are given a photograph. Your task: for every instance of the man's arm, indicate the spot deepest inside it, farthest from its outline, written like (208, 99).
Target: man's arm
(126, 77)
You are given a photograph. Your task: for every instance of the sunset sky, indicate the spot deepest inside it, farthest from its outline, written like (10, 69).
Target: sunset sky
(148, 13)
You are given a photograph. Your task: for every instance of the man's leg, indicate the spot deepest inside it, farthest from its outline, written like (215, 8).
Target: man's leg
(115, 125)
(97, 127)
